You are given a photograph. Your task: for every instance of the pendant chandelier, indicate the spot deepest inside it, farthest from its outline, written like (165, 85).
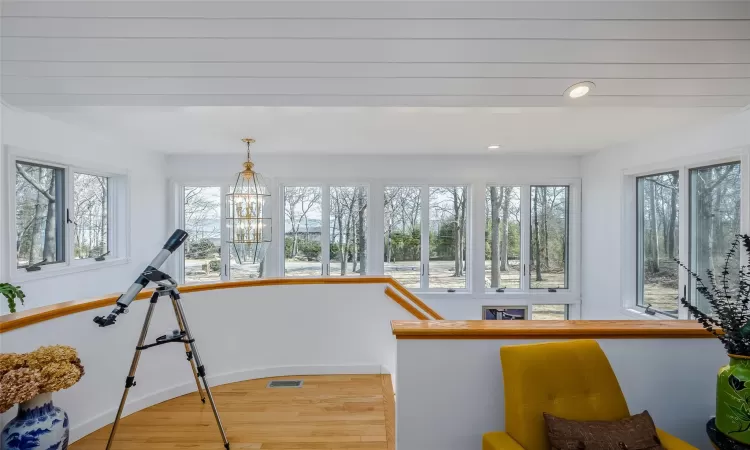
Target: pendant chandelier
(248, 214)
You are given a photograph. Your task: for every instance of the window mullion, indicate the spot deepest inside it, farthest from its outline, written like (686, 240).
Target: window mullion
(683, 220)
(376, 229)
(525, 236)
(476, 242)
(223, 235)
(67, 207)
(325, 232)
(424, 267)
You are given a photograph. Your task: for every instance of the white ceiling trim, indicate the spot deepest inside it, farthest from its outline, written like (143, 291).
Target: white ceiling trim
(627, 10)
(375, 28)
(384, 50)
(373, 70)
(68, 100)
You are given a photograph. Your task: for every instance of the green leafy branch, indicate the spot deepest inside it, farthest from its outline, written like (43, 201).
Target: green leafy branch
(12, 293)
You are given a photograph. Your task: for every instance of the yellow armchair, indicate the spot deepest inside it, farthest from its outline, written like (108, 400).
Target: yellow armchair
(571, 379)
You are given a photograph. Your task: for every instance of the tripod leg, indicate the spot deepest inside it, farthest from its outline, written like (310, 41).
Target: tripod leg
(199, 363)
(130, 380)
(188, 351)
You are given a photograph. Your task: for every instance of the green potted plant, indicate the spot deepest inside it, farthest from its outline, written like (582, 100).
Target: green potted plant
(12, 293)
(729, 321)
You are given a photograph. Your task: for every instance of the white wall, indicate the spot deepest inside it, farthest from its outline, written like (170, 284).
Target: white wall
(475, 171)
(450, 392)
(24, 131)
(602, 178)
(241, 333)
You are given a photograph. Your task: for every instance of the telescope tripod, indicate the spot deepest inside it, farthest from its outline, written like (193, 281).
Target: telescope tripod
(191, 351)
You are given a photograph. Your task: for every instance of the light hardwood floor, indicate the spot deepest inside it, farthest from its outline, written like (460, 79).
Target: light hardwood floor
(327, 412)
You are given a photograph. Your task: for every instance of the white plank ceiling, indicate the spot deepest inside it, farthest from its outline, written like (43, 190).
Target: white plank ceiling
(375, 53)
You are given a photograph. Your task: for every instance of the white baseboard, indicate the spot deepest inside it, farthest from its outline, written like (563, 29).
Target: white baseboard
(89, 426)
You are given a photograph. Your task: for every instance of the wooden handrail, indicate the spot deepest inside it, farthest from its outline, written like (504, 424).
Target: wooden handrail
(548, 329)
(408, 294)
(404, 304)
(35, 315)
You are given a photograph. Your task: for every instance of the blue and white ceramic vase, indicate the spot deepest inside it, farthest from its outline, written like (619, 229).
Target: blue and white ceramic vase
(39, 425)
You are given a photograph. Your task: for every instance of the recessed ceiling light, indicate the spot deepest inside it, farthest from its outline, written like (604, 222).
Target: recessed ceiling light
(579, 90)
(493, 147)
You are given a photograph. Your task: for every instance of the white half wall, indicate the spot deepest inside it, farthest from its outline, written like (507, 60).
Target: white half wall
(58, 141)
(241, 333)
(602, 184)
(450, 392)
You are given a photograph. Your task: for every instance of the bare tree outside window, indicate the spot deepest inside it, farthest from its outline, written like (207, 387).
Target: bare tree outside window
(302, 231)
(714, 220)
(40, 205)
(91, 215)
(502, 252)
(403, 234)
(549, 237)
(203, 225)
(448, 212)
(348, 230)
(549, 312)
(658, 246)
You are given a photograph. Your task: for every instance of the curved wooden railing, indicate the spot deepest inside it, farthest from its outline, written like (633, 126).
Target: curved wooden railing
(548, 329)
(394, 290)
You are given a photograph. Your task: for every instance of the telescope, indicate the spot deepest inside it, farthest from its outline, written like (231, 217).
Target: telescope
(165, 286)
(124, 300)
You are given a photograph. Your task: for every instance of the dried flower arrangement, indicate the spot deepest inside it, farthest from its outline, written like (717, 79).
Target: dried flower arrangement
(23, 376)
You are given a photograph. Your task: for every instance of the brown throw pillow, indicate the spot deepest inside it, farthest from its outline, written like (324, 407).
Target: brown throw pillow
(632, 433)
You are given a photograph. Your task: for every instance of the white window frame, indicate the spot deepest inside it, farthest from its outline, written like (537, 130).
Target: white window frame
(325, 223)
(179, 222)
(569, 296)
(176, 202)
(629, 237)
(424, 204)
(118, 215)
(475, 290)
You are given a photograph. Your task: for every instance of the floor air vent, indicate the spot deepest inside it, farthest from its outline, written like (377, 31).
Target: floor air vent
(285, 384)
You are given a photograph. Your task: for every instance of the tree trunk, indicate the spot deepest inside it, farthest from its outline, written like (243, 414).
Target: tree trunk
(494, 238)
(654, 235)
(672, 222)
(36, 219)
(362, 240)
(545, 214)
(456, 237)
(50, 247)
(342, 250)
(504, 241)
(537, 254)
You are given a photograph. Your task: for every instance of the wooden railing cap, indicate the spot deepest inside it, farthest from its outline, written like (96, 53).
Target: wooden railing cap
(35, 315)
(547, 329)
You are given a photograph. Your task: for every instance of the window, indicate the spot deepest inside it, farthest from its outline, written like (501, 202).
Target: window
(40, 221)
(348, 230)
(66, 217)
(502, 252)
(658, 242)
(403, 234)
(91, 218)
(714, 221)
(538, 312)
(447, 237)
(504, 313)
(303, 230)
(549, 312)
(548, 268)
(202, 222)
